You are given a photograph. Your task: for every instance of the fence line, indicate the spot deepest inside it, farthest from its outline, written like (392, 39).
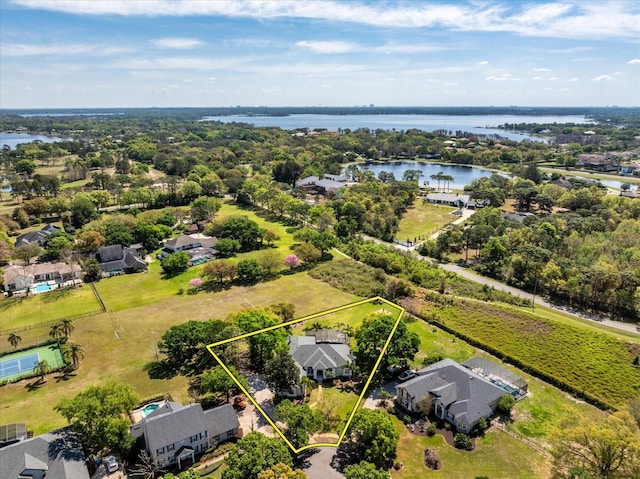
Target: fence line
(95, 291)
(524, 440)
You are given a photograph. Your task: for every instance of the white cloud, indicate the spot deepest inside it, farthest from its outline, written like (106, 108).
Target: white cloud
(541, 70)
(554, 78)
(328, 47)
(574, 79)
(602, 78)
(176, 43)
(483, 62)
(537, 78)
(635, 61)
(503, 77)
(563, 20)
(23, 50)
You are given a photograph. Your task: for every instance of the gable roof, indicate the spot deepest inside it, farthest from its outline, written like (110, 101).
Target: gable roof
(59, 453)
(307, 354)
(462, 392)
(110, 253)
(37, 236)
(174, 422)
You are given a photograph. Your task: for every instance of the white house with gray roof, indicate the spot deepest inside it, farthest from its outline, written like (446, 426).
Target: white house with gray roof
(175, 433)
(460, 396)
(322, 354)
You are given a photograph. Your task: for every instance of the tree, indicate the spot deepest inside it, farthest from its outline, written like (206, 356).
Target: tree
(27, 167)
(373, 334)
(281, 373)
(269, 260)
(282, 471)
(506, 403)
(174, 264)
(287, 171)
(249, 271)
(239, 228)
(222, 270)
(28, 251)
(42, 368)
(89, 241)
(73, 353)
(66, 327)
(308, 253)
(270, 237)
(55, 332)
(14, 339)
(603, 448)
(191, 190)
(82, 210)
(217, 380)
(98, 414)
(301, 422)
(364, 470)
(425, 405)
(91, 271)
(253, 454)
(58, 245)
(292, 261)
(203, 208)
(372, 437)
(228, 247)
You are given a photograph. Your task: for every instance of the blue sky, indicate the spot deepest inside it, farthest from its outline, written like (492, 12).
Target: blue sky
(110, 53)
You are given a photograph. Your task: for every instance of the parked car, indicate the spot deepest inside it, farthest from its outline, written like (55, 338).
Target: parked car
(111, 464)
(408, 374)
(239, 404)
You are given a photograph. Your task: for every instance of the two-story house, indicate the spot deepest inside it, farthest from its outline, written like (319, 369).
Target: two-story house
(175, 433)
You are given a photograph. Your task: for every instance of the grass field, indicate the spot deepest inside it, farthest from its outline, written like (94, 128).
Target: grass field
(124, 360)
(496, 455)
(20, 313)
(423, 219)
(334, 401)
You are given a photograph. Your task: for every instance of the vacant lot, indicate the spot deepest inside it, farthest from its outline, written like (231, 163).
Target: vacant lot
(424, 219)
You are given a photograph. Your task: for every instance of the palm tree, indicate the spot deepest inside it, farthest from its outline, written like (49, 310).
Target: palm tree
(42, 368)
(14, 340)
(73, 353)
(447, 179)
(66, 326)
(56, 332)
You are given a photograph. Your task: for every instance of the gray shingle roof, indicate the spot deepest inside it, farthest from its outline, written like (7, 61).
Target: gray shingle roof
(174, 422)
(461, 391)
(59, 451)
(307, 353)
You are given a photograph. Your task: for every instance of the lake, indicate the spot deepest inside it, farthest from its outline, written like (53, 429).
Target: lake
(478, 124)
(462, 174)
(14, 139)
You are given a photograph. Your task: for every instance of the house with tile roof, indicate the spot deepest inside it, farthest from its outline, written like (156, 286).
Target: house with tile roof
(175, 433)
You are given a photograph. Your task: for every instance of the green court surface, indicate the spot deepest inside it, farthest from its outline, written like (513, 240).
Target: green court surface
(16, 365)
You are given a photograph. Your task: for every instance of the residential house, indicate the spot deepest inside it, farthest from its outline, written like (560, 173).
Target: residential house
(12, 433)
(54, 455)
(200, 248)
(597, 162)
(630, 170)
(40, 277)
(38, 237)
(323, 354)
(326, 186)
(451, 199)
(115, 259)
(175, 433)
(460, 396)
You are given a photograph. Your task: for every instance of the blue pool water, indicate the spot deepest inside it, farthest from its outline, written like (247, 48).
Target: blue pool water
(149, 409)
(199, 260)
(511, 390)
(42, 288)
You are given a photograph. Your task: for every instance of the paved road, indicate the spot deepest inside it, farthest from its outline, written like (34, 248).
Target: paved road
(471, 275)
(320, 465)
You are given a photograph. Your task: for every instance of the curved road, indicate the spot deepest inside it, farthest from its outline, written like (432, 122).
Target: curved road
(473, 276)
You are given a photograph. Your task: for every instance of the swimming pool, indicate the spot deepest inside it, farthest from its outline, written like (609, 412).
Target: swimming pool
(510, 389)
(148, 409)
(42, 288)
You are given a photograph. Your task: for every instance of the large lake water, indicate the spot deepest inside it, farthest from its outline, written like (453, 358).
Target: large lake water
(14, 139)
(462, 175)
(478, 124)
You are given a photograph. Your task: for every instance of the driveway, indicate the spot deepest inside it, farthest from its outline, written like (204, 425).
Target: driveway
(251, 419)
(319, 465)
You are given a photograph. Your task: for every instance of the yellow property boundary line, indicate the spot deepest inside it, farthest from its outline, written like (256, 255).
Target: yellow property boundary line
(299, 320)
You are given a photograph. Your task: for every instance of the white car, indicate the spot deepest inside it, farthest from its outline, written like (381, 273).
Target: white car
(111, 464)
(408, 374)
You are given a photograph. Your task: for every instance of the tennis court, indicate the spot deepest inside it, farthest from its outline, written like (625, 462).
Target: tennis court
(14, 366)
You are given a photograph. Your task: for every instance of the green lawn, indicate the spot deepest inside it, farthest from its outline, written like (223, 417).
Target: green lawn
(20, 313)
(496, 455)
(333, 401)
(124, 360)
(423, 219)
